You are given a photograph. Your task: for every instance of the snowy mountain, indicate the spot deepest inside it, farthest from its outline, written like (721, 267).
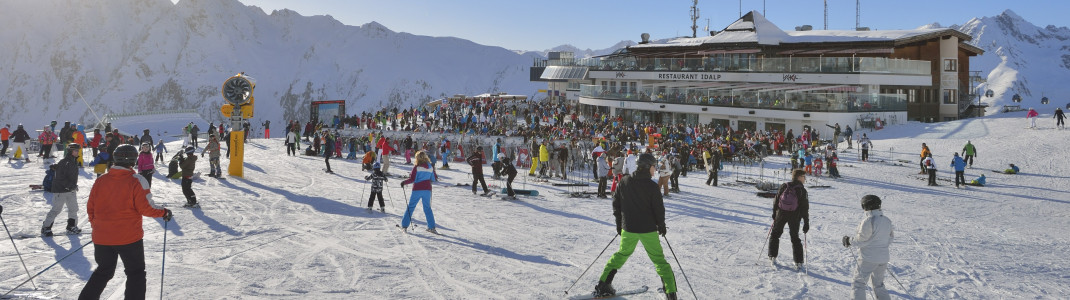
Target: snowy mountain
(134, 55)
(1020, 58)
(584, 53)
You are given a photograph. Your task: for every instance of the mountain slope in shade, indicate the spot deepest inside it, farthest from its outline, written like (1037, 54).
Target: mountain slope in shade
(143, 55)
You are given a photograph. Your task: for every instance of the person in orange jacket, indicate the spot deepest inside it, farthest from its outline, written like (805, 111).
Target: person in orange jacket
(116, 204)
(5, 134)
(924, 153)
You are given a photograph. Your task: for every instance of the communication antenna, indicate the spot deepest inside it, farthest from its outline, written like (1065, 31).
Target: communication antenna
(826, 14)
(858, 14)
(694, 19)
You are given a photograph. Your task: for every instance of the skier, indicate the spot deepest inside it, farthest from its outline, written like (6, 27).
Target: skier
(640, 217)
(808, 162)
(960, 167)
(848, 132)
(713, 164)
(213, 156)
(267, 129)
(830, 160)
(116, 204)
(496, 165)
(790, 205)
(476, 161)
(1059, 117)
(47, 138)
(377, 178)
(924, 153)
(445, 153)
(865, 144)
(421, 177)
(19, 138)
(64, 191)
(384, 154)
(930, 167)
(291, 143)
(980, 181)
(160, 150)
(408, 144)
(875, 234)
(189, 164)
(146, 137)
(969, 151)
(674, 176)
(602, 171)
(544, 159)
(96, 141)
(510, 173)
(1032, 116)
(193, 131)
(145, 164)
(664, 172)
(328, 149)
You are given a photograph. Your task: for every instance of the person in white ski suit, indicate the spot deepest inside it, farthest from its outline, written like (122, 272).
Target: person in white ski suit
(874, 235)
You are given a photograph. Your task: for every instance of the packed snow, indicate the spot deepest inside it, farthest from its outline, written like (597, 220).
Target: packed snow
(288, 230)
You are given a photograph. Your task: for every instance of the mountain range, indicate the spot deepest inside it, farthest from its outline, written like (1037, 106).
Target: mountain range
(78, 60)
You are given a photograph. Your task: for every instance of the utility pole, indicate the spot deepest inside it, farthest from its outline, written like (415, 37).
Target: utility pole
(826, 14)
(858, 14)
(694, 19)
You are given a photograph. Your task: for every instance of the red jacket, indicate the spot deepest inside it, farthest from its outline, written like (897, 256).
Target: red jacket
(117, 202)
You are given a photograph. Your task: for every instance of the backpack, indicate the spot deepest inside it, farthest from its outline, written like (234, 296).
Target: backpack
(788, 201)
(47, 184)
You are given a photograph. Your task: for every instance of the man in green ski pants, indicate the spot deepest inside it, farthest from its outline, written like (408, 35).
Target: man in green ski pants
(640, 214)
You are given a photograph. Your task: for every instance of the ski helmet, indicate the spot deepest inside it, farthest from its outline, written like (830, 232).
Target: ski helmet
(376, 166)
(125, 155)
(645, 161)
(72, 149)
(871, 202)
(190, 150)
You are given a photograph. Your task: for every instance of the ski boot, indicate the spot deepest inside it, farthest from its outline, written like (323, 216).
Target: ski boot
(382, 209)
(46, 231)
(605, 288)
(432, 230)
(369, 208)
(72, 227)
(799, 266)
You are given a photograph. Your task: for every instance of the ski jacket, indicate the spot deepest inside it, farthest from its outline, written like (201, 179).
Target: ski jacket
(928, 163)
(603, 167)
(865, 144)
(1031, 114)
(4, 134)
(808, 160)
(145, 162)
(476, 161)
(95, 142)
(630, 164)
(509, 170)
(618, 165)
(874, 235)
(116, 204)
(421, 177)
(544, 153)
(369, 157)
(377, 179)
(1058, 115)
(980, 180)
(47, 138)
(638, 205)
(958, 163)
(20, 135)
(291, 137)
(66, 178)
(924, 151)
(497, 149)
(146, 138)
(160, 148)
(969, 149)
(802, 211)
(212, 148)
(189, 165)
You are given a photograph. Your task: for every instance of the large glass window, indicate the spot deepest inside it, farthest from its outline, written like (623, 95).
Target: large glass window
(949, 96)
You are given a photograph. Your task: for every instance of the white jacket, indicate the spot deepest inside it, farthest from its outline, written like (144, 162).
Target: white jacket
(291, 137)
(630, 164)
(874, 236)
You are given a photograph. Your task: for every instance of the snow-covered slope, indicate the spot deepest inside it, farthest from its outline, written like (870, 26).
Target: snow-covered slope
(1021, 58)
(288, 230)
(135, 55)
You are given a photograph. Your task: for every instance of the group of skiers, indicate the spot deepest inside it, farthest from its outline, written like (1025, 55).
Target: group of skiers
(958, 163)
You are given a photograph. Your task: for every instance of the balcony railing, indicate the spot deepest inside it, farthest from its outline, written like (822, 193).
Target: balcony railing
(878, 65)
(797, 101)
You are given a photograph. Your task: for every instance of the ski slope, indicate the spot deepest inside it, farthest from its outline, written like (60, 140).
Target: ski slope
(289, 231)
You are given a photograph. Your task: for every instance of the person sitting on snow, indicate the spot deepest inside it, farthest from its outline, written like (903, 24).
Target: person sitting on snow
(980, 181)
(1013, 170)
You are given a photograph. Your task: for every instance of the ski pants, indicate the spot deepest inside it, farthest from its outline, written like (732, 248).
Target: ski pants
(865, 154)
(3, 151)
(213, 164)
(327, 161)
(291, 149)
(408, 156)
(969, 160)
(478, 178)
(1058, 122)
(652, 245)
(712, 178)
(932, 176)
(133, 256)
(46, 151)
(792, 220)
(602, 186)
(267, 133)
(959, 178)
(417, 196)
(385, 165)
(371, 199)
(674, 180)
(187, 190)
(663, 183)
(509, 185)
(147, 174)
(534, 165)
(874, 272)
(70, 199)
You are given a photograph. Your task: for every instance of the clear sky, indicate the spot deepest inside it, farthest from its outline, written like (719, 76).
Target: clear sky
(597, 24)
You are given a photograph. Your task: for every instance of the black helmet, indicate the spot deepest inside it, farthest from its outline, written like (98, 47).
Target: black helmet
(645, 161)
(190, 150)
(72, 149)
(125, 155)
(871, 202)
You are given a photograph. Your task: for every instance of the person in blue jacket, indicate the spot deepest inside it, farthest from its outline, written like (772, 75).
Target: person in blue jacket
(980, 181)
(809, 162)
(1012, 170)
(960, 166)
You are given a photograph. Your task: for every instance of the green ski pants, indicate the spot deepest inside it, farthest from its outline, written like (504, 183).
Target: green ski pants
(652, 245)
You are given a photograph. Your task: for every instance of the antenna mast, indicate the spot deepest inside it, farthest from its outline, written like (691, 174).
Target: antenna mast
(694, 19)
(858, 14)
(826, 14)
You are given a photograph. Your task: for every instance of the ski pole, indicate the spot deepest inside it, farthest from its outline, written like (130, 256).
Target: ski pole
(681, 266)
(805, 242)
(767, 234)
(16, 248)
(46, 268)
(592, 263)
(163, 261)
(896, 278)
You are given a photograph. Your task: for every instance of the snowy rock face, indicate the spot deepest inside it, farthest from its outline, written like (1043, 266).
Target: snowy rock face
(141, 55)
(1020, 58)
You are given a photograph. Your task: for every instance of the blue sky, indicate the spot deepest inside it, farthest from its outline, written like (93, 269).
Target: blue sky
(597, 24)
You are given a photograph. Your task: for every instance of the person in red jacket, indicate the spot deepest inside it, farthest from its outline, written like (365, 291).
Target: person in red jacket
(5, 134)
(116, 204)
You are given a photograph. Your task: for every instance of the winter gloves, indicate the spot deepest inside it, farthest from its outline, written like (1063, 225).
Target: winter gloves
(1, 209)
(846, 241)
(662, 230)
(619, 229)
(166, 215)
(806, 225)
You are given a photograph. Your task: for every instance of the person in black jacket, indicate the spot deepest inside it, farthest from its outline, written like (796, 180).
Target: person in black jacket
(787, 213)
(476, 161)
(64, 191)
(640, 216)
(510, 173)
(19, 138)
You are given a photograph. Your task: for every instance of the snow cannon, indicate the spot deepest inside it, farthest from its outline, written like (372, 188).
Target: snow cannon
(238, 93)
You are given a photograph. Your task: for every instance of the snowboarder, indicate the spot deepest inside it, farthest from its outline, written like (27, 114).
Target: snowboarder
(1012, 170)
(377, 178)
(116, 204)
(213, 156)
(790, 205)
(421, 177)
(145, 164)
(65, 192)
(510, 172)
(930, 167)
(1032, 116)
(640, 217)
(980, 181)
(189, 165)
(969, 151)
(1059, 117)
(476, 161)
(847, 133)
(960, 167)
(875, 234)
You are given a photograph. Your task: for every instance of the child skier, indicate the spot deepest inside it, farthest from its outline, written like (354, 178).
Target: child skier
(377, 178)
(145, 164)
(100, 162)
(160, 150)
(818, 166)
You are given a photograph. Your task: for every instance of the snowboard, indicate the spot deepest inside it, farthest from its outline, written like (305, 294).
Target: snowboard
(523, 192)
(766, 194)
(618, 294)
